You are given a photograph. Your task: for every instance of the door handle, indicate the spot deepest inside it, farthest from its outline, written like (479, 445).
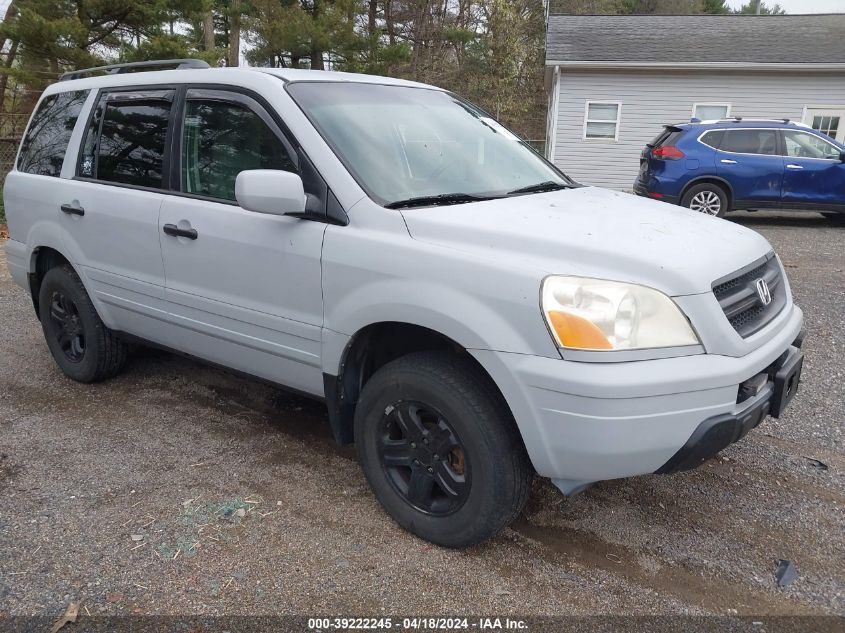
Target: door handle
(728, 161)
(175, 231)
(72, 209)
(795, 166)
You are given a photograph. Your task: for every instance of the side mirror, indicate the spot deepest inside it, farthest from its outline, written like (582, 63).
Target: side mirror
(271, 191)
(842, 156)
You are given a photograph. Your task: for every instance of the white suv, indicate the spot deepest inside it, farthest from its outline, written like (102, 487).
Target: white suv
(468, 313)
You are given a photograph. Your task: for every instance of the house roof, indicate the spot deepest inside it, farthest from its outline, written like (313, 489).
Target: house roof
(735, 40)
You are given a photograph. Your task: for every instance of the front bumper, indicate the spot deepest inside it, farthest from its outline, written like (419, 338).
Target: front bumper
(584, 422)
(767, 393)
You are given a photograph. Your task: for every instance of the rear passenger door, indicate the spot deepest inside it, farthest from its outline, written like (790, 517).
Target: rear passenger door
(750, 161)
(243, 287)
(33, 192)
(109, 211)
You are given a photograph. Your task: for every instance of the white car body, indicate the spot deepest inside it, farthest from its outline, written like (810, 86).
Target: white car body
(285, 298)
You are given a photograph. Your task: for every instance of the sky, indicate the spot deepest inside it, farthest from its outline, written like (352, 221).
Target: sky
(800, 6)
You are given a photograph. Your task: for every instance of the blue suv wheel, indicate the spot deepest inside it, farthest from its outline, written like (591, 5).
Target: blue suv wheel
(706, 198)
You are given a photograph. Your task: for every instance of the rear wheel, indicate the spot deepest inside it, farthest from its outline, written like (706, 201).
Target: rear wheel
(706, 198)
(835, 218)
(83, 347)
(440, 450)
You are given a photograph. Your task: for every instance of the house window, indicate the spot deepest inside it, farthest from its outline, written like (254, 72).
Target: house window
(711, 111)
(601, 120)
(826, 125)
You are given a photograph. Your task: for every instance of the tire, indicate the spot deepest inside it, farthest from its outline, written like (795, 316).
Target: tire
(472, 475)
(85, 349)
(835, 218)
(706, 198)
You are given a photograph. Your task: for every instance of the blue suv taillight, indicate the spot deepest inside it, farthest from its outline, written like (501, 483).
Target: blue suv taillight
(667, 153)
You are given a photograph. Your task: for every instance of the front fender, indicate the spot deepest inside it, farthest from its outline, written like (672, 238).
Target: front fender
(459, 316)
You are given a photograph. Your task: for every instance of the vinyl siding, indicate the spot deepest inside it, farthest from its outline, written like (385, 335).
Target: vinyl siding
(651, 100)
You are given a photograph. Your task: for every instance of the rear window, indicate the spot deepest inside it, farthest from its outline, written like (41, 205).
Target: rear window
(713, 138)
(130, 146)
(667, 137)
(45, 144)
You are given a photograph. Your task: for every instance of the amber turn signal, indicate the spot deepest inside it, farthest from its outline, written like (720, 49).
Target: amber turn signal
(577, 332)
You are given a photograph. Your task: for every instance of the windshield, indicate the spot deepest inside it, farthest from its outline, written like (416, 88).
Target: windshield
(403, 143)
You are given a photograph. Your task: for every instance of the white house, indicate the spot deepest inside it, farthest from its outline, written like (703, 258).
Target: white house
(615, 80)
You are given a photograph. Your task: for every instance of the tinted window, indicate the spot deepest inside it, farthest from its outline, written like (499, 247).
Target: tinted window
(44, 146)
(220, 140)
(806, 145)
(750, 142)
(713, 138)
(130, 148)
(668, 136)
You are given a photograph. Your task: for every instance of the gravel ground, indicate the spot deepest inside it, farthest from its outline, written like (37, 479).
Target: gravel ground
(181, 489)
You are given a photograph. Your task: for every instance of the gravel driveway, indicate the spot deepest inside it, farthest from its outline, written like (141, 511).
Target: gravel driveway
(181, 489)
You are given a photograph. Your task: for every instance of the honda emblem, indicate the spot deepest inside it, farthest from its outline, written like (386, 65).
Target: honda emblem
(763, 292)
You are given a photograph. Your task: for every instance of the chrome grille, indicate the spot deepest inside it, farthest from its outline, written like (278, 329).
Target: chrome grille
(738, 297)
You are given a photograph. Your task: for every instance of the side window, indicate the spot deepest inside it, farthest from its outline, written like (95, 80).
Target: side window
(45, 144)
(220, 139)
(713, 138)
(806, 145)
(125, 142)
(750, 142)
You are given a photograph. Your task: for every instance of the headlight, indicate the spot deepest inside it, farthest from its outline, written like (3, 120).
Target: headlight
(595, 314)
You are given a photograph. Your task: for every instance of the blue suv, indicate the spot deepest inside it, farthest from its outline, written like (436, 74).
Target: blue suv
(718, 166)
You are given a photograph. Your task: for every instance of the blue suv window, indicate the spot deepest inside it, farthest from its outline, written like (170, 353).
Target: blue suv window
(713, 138)
(806, 145)
(750, 142)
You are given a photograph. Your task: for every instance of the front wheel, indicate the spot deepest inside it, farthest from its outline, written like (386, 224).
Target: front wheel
(440, 449)
(706, 198)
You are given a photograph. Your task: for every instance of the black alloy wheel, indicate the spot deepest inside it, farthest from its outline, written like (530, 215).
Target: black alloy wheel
(81, 344)
(423, 458)
(440, 448)
(66, 326)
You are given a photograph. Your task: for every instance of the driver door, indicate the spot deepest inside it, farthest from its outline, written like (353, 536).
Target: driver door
(814, 173)
(243, 288)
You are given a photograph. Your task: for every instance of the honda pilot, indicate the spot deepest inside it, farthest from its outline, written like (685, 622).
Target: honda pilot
(470, 316)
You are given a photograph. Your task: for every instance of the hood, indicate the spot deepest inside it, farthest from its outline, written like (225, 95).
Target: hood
(595, 233)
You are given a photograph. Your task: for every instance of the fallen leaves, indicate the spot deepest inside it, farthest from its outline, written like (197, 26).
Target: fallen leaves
(69, 616)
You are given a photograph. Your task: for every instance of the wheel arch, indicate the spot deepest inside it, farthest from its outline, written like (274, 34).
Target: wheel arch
(42, 259)
(713, 180)
(372, 347)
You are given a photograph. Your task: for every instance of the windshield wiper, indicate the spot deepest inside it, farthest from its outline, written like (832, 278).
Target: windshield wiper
(548, 185)
(439, 199)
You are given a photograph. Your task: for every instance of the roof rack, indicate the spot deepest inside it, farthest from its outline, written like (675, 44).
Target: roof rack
(116, 69)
